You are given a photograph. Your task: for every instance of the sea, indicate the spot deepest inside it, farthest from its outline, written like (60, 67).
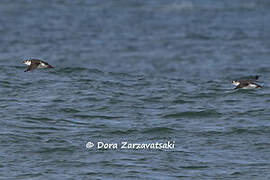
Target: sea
(141, 89)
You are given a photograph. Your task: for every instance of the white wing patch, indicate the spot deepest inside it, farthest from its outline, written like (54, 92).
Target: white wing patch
(27, 63)
(42, 65)
(250, 86)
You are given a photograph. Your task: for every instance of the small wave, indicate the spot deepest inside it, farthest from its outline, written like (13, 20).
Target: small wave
(95, 117)
(249, 130)
(222, 5)
(69, 110)
(194, 167)
(122, 132)
(184, 5)
(5, 83)
(180, 101)
(123, 75)
(159, 130)
(198, 36)
(194, 114)
(77, 69)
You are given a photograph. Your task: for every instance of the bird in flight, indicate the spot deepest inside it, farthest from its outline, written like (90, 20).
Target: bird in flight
(246, 84)
(36, 64)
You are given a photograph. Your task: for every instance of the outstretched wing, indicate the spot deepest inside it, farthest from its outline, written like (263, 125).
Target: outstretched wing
(47, 64)
(241, 85)
(32, 66)
(255, 78)
(250, 79)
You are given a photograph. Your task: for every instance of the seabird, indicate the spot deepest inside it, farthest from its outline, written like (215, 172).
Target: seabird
(246, 84)
(36, 64)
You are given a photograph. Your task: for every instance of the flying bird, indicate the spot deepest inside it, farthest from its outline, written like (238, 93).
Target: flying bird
(36, 64)
(246, 84)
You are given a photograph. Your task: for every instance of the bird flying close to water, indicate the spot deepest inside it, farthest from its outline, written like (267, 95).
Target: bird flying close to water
(36, 64)
(246, 84)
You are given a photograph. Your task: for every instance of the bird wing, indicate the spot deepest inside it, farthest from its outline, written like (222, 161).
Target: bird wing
(32, 66)
(44, 62)
(257, 85)
(256, 77)
(241, 85)
(253, 79)
(49, 66)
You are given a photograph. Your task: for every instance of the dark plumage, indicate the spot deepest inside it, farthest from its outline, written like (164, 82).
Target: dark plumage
(36, 64)
(246, 84)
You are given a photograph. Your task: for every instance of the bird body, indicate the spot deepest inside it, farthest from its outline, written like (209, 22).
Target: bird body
(246, 84)
(36, 64)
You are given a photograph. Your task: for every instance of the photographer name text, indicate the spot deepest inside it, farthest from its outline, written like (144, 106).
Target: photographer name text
(127, 145)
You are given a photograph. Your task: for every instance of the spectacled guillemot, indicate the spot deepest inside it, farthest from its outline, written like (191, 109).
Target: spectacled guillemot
(36, 64)
(246, 84)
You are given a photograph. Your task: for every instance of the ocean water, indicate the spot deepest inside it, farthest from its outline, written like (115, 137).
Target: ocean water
(140, 72)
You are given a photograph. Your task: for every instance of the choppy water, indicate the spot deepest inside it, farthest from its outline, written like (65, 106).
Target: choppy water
(140, 72)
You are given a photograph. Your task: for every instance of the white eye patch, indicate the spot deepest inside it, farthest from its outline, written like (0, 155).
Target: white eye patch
(235, 83)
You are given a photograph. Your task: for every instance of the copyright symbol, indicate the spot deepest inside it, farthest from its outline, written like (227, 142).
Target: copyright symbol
(89, 145)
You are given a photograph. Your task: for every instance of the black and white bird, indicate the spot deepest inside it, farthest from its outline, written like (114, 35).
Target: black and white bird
(246, 84)
(36, 64)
